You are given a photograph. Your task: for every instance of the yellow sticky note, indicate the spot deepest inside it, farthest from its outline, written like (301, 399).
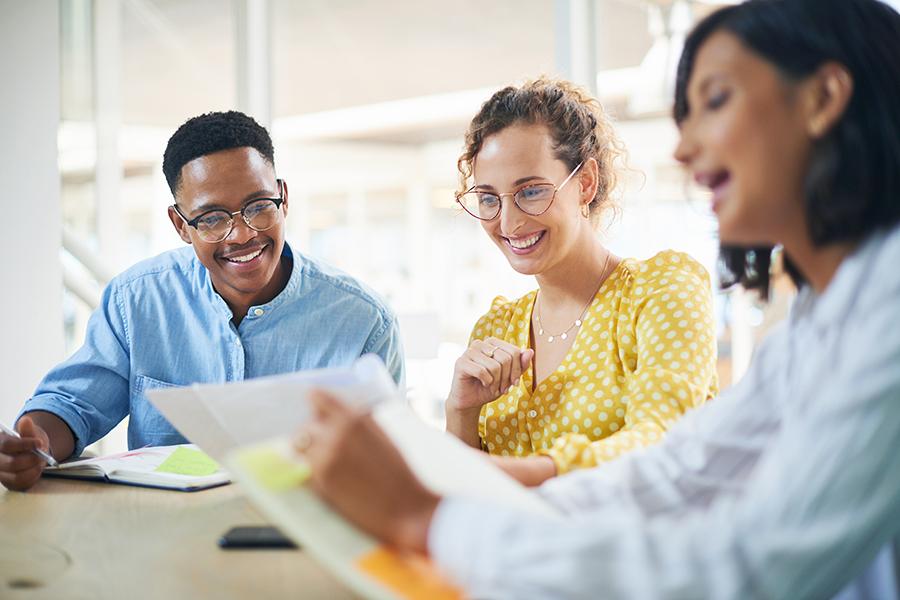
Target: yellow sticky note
(272, 469)
(188, 461)
(410, 576)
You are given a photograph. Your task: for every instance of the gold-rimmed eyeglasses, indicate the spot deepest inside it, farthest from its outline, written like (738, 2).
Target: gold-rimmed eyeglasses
(532, 199)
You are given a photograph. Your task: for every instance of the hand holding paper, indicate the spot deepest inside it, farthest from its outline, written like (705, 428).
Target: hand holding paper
(357, 468)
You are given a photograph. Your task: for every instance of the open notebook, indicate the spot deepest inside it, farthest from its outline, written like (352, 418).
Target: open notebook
(260, 459)
(183, 467)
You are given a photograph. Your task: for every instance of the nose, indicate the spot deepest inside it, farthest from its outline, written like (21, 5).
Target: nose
(241, 233)
(511, 217)
(686, 149)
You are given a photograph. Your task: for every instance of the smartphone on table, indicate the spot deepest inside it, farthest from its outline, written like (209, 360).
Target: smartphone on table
(255, 536)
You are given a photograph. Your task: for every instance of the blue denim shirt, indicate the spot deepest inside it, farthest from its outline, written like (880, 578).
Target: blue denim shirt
(162, 324)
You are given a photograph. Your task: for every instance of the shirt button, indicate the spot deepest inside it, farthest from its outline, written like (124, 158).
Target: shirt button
(532, 414)
(259, 312)
(237, 341)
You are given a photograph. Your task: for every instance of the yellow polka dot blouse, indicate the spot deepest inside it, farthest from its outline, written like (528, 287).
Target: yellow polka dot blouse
(644, 354)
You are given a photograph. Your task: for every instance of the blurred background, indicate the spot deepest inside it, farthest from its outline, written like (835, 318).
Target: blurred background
(367, 102)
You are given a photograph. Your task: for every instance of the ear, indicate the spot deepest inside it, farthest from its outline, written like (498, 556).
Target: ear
(181, 228)
(589, 179)
(831, 88)
(284, 194)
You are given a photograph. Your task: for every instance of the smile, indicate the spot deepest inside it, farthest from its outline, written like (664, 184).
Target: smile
(245, 258)
(522, 245)
(717, 183)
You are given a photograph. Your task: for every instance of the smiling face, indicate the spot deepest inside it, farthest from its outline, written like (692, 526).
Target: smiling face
(745, 137)
(246, 267)
(516, 157)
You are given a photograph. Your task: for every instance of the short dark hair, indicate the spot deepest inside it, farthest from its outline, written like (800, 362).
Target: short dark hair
(209, 133)
(852, 187)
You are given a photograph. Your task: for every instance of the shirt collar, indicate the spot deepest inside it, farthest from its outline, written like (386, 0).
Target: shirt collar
(290, 290)
(832, 306)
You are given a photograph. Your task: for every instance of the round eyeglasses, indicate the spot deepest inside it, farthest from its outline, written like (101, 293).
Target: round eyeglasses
(215, 225)
(534, 199)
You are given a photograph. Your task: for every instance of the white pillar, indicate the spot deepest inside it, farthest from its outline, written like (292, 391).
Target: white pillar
(576, 47)
(31, 303)
(253, 59)
(108, 120)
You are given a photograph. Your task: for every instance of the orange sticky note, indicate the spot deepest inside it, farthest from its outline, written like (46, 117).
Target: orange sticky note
(410, 576)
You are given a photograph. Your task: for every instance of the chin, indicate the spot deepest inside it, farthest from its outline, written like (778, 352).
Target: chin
(734, 236)
(524, 267)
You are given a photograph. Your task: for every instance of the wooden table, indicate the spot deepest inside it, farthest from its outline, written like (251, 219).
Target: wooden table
(67, 539)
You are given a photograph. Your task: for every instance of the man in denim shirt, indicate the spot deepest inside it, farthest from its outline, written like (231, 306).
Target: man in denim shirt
(241, 304)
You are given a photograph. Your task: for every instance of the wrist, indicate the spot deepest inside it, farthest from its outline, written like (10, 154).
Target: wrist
(456, 407)
(411, 529)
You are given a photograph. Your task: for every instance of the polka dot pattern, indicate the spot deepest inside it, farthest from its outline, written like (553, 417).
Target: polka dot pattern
(644, 355)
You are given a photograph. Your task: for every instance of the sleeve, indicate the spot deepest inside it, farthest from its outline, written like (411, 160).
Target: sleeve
(494, 322)
(670, 366)
(90, 390)
(387, 343)
(817, 509)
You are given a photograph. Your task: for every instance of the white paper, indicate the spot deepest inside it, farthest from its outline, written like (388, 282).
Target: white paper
(221, 417)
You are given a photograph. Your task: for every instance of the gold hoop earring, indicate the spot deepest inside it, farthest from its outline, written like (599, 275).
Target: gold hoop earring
(586, 210)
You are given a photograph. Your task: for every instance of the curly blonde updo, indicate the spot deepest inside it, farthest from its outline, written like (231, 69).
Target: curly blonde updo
(580, 128)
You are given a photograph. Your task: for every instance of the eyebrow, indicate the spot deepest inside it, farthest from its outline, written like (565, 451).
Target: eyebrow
(257, 195)
(516, 183)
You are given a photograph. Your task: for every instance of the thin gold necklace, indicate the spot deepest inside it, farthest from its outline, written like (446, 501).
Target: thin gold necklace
(580, 319)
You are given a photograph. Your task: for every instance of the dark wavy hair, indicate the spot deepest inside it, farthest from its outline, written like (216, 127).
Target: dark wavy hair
(852, 188)
(209, 133)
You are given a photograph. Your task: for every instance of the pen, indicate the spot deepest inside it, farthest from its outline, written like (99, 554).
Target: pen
(50, 460)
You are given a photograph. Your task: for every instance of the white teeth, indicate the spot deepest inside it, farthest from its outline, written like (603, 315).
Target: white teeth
(523, 243)
(246, 257)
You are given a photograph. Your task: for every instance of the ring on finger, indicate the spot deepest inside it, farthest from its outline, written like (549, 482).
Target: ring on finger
(491, 353)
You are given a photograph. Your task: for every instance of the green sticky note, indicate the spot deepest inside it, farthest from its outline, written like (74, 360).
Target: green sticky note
(188, 461)
(272, 469)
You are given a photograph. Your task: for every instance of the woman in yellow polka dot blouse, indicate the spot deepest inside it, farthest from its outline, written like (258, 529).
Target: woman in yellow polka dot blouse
(608, 352)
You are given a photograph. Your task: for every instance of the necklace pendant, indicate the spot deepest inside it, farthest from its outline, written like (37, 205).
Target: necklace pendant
(577, 322)
(564, 336)
(550, 339)
(540, 332)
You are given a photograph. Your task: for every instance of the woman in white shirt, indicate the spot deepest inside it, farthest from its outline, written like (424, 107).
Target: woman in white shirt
(788, 484)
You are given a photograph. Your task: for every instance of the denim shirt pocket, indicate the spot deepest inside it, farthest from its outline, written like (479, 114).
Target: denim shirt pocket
(146, 421)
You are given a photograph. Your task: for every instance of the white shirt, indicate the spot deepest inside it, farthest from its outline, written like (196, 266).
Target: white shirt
(786, 486)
